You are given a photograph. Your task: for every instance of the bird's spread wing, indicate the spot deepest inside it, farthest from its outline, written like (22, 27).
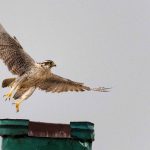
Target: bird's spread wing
(58, 84)
(13, 55)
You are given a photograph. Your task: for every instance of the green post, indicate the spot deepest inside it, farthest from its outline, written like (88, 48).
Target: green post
(18, 134)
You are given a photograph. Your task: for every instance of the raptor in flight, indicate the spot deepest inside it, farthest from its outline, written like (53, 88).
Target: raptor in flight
(30, 74)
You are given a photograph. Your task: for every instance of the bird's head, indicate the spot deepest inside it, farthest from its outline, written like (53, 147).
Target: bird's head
(48, 64)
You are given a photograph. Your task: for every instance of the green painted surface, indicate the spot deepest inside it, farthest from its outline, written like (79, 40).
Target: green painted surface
(82, 130)
(30, 143)
(82, 125)
(21, 122)
(13, 130)
(83, 135)
(15, 137)
(13, 127)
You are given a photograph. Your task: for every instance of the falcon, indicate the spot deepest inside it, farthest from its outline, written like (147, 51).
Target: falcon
(32, 75)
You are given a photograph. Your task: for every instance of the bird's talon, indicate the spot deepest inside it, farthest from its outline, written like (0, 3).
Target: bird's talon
(8, 96)
(17, 106)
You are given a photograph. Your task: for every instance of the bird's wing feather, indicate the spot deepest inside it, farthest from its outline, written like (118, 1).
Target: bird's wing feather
(20, 92)
(55, 83)
(7, 82)
(13, 55)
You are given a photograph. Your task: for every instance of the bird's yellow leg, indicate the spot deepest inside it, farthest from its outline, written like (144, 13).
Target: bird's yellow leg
(8, 95)
(11, 84)
(14, 87)
(17, 103)
(17, 106)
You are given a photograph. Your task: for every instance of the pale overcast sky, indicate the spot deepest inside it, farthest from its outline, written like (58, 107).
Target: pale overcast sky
(98, 42)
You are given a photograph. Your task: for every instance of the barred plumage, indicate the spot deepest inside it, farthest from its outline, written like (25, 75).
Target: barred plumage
(32, 75)
(13, 55)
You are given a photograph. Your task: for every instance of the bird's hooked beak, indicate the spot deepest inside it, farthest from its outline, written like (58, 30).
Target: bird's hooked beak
(54, 65)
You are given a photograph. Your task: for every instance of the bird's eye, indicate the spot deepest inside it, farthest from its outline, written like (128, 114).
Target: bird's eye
(46, 63)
